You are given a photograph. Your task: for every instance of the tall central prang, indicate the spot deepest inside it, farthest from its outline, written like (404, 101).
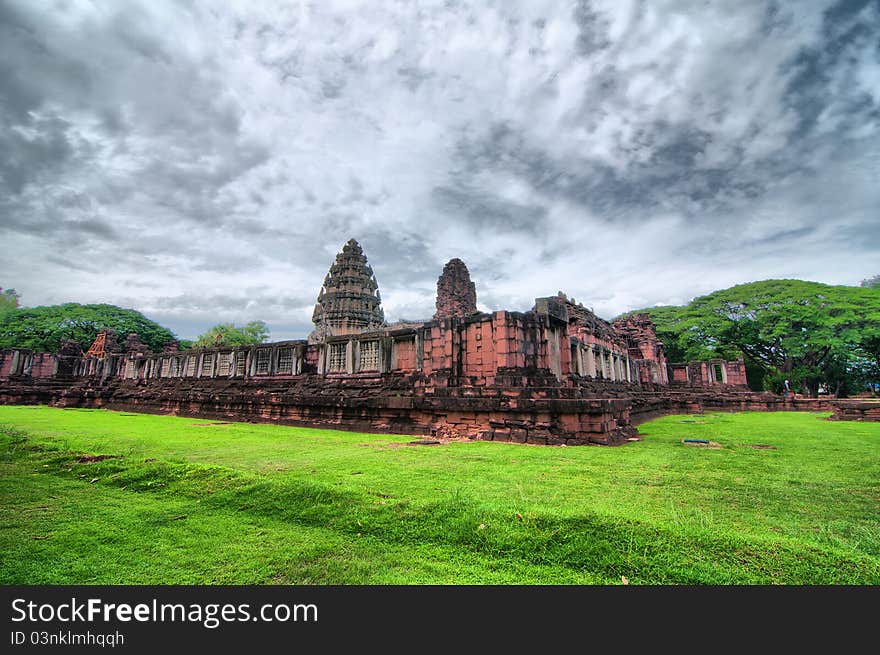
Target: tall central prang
(349, 301)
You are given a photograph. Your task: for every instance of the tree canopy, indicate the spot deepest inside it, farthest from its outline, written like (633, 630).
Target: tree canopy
(806, 332)
(43, 328)
(226, 334)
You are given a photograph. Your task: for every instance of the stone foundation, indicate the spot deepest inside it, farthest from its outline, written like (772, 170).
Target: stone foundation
(400, 404)
(856, 409)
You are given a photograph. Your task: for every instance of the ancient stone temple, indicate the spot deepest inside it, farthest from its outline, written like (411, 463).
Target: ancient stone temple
(555, 374)
(456, 294)
(349, 301)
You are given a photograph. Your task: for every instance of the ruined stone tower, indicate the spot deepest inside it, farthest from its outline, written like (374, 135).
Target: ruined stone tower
(349, 300)
(456, 294)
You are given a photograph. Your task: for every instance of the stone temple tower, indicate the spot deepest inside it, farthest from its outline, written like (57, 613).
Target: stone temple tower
(456, 294)
(349, 301)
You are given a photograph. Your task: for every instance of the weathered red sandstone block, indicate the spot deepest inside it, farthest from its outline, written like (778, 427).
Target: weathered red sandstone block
(519, 435)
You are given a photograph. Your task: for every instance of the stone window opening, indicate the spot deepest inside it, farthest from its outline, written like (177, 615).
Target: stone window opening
(336, 362)
(224, 364)
(165, 370)
(262, 367)
(719, 373)
(240, 361)
(190, 366)
(207, 365)
(285, 361)
(369, 356)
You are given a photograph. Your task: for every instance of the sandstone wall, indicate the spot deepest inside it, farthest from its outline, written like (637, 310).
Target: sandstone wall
(856, 409)
(403, 404)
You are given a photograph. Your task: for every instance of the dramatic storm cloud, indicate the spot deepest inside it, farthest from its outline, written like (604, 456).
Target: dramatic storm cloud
(204, 162)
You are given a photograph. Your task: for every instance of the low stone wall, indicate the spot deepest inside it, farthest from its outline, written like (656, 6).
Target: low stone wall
(388, 403)
(399, 403)
(650, 405)
(856, 409)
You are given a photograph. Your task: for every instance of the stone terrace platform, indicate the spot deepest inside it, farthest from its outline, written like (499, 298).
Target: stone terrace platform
(397, 404)
(856, 409)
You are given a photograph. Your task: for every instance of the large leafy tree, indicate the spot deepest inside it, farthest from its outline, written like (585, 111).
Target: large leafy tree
(43, 328)
(226, 334)
(806, 332)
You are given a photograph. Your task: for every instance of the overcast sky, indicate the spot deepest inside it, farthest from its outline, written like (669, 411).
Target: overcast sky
(204, 162)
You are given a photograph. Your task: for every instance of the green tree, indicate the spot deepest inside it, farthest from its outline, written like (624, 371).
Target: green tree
(868, 357)
(43, 328)
(226, 334)
(8, 300)
(806, 332)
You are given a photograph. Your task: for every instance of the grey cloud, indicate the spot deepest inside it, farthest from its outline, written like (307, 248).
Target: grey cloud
(61, 229)
(181, 106)
(863, 237)
(220, 164)
(255, 302)
(413, 77)
(68, 263)
(35, 150)
(818, 74)
(593, 28)
(131, 29)
(92, 226)
(220, 262)
(484, 210)
(399, 259)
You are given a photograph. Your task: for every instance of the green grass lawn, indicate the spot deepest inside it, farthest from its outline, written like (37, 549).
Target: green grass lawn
(187, 501)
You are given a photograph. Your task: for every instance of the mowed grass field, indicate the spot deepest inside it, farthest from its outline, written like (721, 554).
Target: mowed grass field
(185, 501)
